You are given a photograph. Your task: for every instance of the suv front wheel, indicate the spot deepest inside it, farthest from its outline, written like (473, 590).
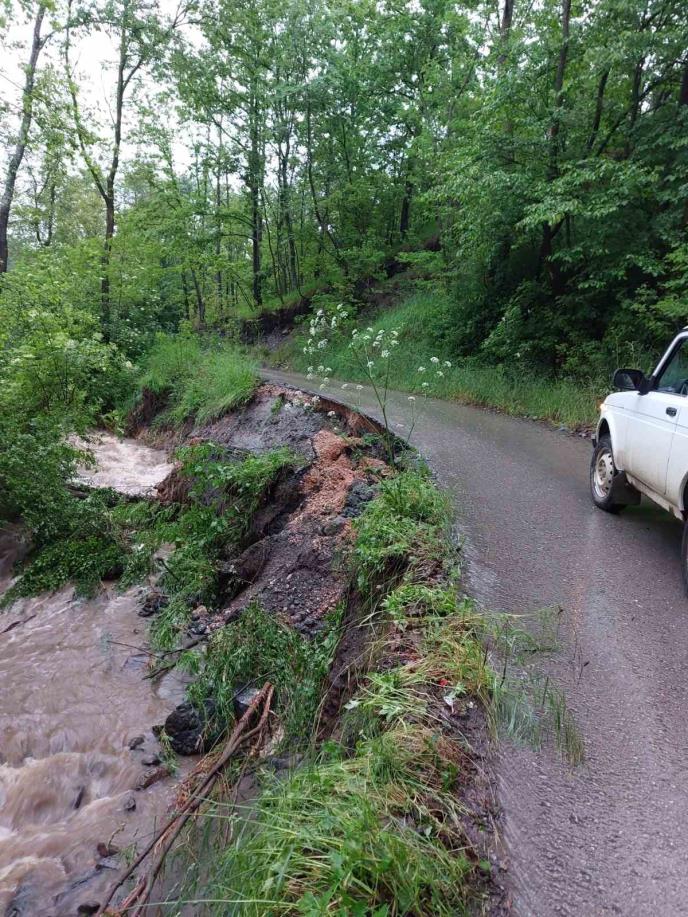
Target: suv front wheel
(602, 474)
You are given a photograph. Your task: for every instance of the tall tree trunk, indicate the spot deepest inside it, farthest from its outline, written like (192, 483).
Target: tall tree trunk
(546, 249)
(22, 139)
(405, 217)
(505, 23)
(683, 91)
(185, 292)
(255, 186)
(599, 106)
(200, 302)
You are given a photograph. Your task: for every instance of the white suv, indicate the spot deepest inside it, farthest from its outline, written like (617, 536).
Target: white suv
(641, 445)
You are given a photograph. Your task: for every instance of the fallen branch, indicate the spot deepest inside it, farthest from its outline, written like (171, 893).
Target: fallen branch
(165, 839)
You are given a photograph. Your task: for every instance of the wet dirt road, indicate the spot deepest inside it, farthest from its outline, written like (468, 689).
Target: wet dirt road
(607, 837)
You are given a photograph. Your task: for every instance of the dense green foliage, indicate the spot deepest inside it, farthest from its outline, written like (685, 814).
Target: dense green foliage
(526, 164)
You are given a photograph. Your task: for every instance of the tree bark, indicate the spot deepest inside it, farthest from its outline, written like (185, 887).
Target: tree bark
(22, 139)
(683, 91)
(546, 249)
(599, 106)
(255, 188)
(405, 217)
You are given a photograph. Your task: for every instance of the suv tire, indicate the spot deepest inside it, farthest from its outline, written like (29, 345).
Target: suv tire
(602, 473)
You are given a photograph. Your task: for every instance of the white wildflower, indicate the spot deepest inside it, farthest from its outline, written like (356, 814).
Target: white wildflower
(434, 359)
(421, 369)
(447, 364)
(411, 397)
(331, 413)
(384, 354)
(358, 388)
(440, 373)
(370, 364)
(425, 384)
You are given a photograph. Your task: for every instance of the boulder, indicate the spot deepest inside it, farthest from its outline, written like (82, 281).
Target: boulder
(192, 731)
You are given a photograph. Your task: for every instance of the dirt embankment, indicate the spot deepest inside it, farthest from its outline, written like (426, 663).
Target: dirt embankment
(292, 563)
(292, 558)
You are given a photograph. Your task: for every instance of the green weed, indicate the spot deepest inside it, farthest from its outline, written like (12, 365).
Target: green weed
(373, 834)
(405, 527)
(200, 383)
(258, 648)
(422, 320)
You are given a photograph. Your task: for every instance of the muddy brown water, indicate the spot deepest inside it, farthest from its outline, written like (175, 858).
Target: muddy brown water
(71, 699)
(608, 837)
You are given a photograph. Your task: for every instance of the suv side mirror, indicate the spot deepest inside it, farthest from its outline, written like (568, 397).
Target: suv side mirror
(631, 380)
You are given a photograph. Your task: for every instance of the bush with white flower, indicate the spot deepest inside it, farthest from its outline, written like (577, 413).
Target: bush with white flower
(373, 353)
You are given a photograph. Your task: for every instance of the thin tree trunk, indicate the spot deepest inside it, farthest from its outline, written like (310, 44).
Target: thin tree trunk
(255, 185)
(683, 91)
(185, 291)
(200, 302)
(546, 249)
(405, 217)
(22, 139)
(599, 107)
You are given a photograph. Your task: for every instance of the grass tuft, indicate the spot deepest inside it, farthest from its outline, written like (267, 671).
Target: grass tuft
(200, 383)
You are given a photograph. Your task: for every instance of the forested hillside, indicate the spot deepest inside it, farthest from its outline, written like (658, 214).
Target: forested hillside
(524, 168)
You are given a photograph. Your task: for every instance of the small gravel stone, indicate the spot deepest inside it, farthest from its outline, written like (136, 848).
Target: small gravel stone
(150, 760)
(136, 742)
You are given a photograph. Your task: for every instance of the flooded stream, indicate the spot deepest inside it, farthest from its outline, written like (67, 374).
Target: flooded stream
(72, 699)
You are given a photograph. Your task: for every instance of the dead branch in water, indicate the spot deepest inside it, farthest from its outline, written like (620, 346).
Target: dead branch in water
(134, 905)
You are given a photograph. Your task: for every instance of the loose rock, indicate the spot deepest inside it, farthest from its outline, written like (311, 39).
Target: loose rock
(191, 731)
(151, 777)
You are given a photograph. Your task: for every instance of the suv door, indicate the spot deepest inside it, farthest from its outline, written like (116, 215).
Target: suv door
(652, 420)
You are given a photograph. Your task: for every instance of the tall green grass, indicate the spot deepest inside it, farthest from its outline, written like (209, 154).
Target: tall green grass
(200, 380)
(422, 323)
(372, 823)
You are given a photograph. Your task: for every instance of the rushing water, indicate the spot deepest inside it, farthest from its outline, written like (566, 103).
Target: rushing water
(71, 699)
